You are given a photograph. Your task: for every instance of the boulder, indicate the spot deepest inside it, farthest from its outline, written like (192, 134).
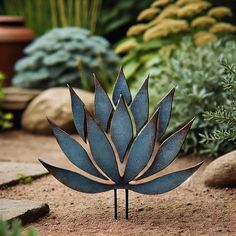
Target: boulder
(54, 103)
(222, 171)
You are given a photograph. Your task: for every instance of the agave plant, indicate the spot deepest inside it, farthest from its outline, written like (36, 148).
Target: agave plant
(121, 147)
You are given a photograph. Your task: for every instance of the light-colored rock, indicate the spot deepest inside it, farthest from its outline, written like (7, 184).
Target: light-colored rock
(12, 172)
(222, 171)
(25, 210)
(54, 103)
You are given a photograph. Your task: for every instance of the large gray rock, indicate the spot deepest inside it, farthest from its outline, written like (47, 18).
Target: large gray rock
(25, 210)
(12, 172)
(55, 104)
(222, 171)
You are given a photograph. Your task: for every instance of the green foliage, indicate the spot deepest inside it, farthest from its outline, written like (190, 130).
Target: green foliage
(103, 17)
(197, 73)
(66, 56)
(225, 115)
(115, 15)
(5, 118)
(164, 45)
(15, 229)
(169, 19)
(55, 13)
(24, 179)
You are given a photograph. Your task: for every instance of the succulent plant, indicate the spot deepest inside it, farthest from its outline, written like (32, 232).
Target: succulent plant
(125, 145)
(66, 55)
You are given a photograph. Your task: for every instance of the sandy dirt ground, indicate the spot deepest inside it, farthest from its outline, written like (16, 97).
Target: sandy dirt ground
(191, 209)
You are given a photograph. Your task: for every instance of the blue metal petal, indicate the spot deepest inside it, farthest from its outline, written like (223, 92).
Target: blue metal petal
(141, 150)
(102, 105)
(74, 151)
(165, 107)
(76, 181)
(121, 128)
(78, 111)
(121, 88)
(140, 106)
(102, 150)
(168, 150)
(165, 183)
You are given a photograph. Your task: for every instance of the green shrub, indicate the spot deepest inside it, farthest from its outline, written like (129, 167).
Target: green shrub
(197, 73)
(225, 115)
(66, 56)
(15, 229)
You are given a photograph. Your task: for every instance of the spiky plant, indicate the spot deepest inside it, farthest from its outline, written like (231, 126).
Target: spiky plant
(124, 143)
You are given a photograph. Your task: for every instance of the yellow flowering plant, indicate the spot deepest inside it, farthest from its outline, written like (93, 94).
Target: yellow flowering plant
(170, 18)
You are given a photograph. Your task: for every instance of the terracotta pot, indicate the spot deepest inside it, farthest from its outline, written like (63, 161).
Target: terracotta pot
(14, 36)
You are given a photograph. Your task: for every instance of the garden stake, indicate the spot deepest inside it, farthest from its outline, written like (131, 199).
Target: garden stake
(126, 204)
(115, 204)
(126, 149)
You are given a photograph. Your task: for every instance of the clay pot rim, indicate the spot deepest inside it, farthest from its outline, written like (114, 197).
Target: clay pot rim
(11, 19)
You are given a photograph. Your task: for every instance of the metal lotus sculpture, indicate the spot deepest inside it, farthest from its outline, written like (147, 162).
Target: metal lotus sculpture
(121, 147)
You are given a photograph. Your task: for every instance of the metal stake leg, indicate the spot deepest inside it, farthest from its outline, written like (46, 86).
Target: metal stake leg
(115, 204)
(126, 204)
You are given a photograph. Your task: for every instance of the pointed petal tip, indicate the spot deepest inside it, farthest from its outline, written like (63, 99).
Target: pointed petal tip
(146, 82)
(121, 73)
(121, 101)
(197, 166)
(121, 86)
(44, 163)
(188, 125)
(72, 91)
(193, 169)
(51, 123)
(172, 91)
(155, 116)
(96, 82)
(53, 126)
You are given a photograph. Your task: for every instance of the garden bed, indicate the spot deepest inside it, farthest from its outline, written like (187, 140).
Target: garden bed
(191, 209)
